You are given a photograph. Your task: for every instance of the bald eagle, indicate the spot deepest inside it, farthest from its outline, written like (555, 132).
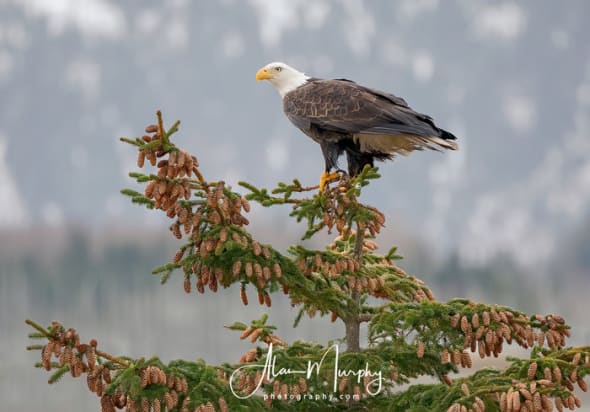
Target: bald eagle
(345, 117)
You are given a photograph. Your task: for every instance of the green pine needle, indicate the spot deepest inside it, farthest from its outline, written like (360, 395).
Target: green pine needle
(57, 375)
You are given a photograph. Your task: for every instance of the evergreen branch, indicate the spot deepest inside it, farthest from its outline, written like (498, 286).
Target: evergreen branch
(39, 328)
(173, 129)
(113, 359)
(365, 317)
(161, 130)
(133, 142)
(59, 374)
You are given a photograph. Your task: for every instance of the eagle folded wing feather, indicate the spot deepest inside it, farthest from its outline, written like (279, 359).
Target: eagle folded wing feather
(378, 122)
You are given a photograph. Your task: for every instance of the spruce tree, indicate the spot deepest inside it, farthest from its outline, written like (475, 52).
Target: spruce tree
(410, 333)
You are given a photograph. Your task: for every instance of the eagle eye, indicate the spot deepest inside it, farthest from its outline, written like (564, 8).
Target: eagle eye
(278, 68)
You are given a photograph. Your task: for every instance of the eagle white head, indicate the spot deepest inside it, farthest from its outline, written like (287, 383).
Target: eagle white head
(282, 76)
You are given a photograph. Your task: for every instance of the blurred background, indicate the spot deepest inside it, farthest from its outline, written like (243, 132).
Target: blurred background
(504, 220)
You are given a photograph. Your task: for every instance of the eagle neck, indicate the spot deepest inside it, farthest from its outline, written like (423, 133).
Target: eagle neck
(288, 85)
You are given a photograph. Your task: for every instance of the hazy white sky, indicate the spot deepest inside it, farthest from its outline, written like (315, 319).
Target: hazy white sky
(522, 215)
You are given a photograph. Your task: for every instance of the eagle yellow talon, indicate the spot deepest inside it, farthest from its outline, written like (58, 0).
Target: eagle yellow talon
(327, 178)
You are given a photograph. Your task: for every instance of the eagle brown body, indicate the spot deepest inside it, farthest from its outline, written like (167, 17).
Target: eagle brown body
(345, 117)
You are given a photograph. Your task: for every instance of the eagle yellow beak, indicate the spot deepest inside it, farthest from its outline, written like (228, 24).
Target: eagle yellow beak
(263, 74)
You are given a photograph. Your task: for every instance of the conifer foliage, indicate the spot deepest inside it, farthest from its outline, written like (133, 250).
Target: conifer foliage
(410, 333)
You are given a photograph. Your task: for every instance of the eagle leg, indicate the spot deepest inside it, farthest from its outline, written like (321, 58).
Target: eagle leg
(331, 152)
(357, 161)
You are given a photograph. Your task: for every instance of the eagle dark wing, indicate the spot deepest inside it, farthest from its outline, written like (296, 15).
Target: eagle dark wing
(378, 122)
